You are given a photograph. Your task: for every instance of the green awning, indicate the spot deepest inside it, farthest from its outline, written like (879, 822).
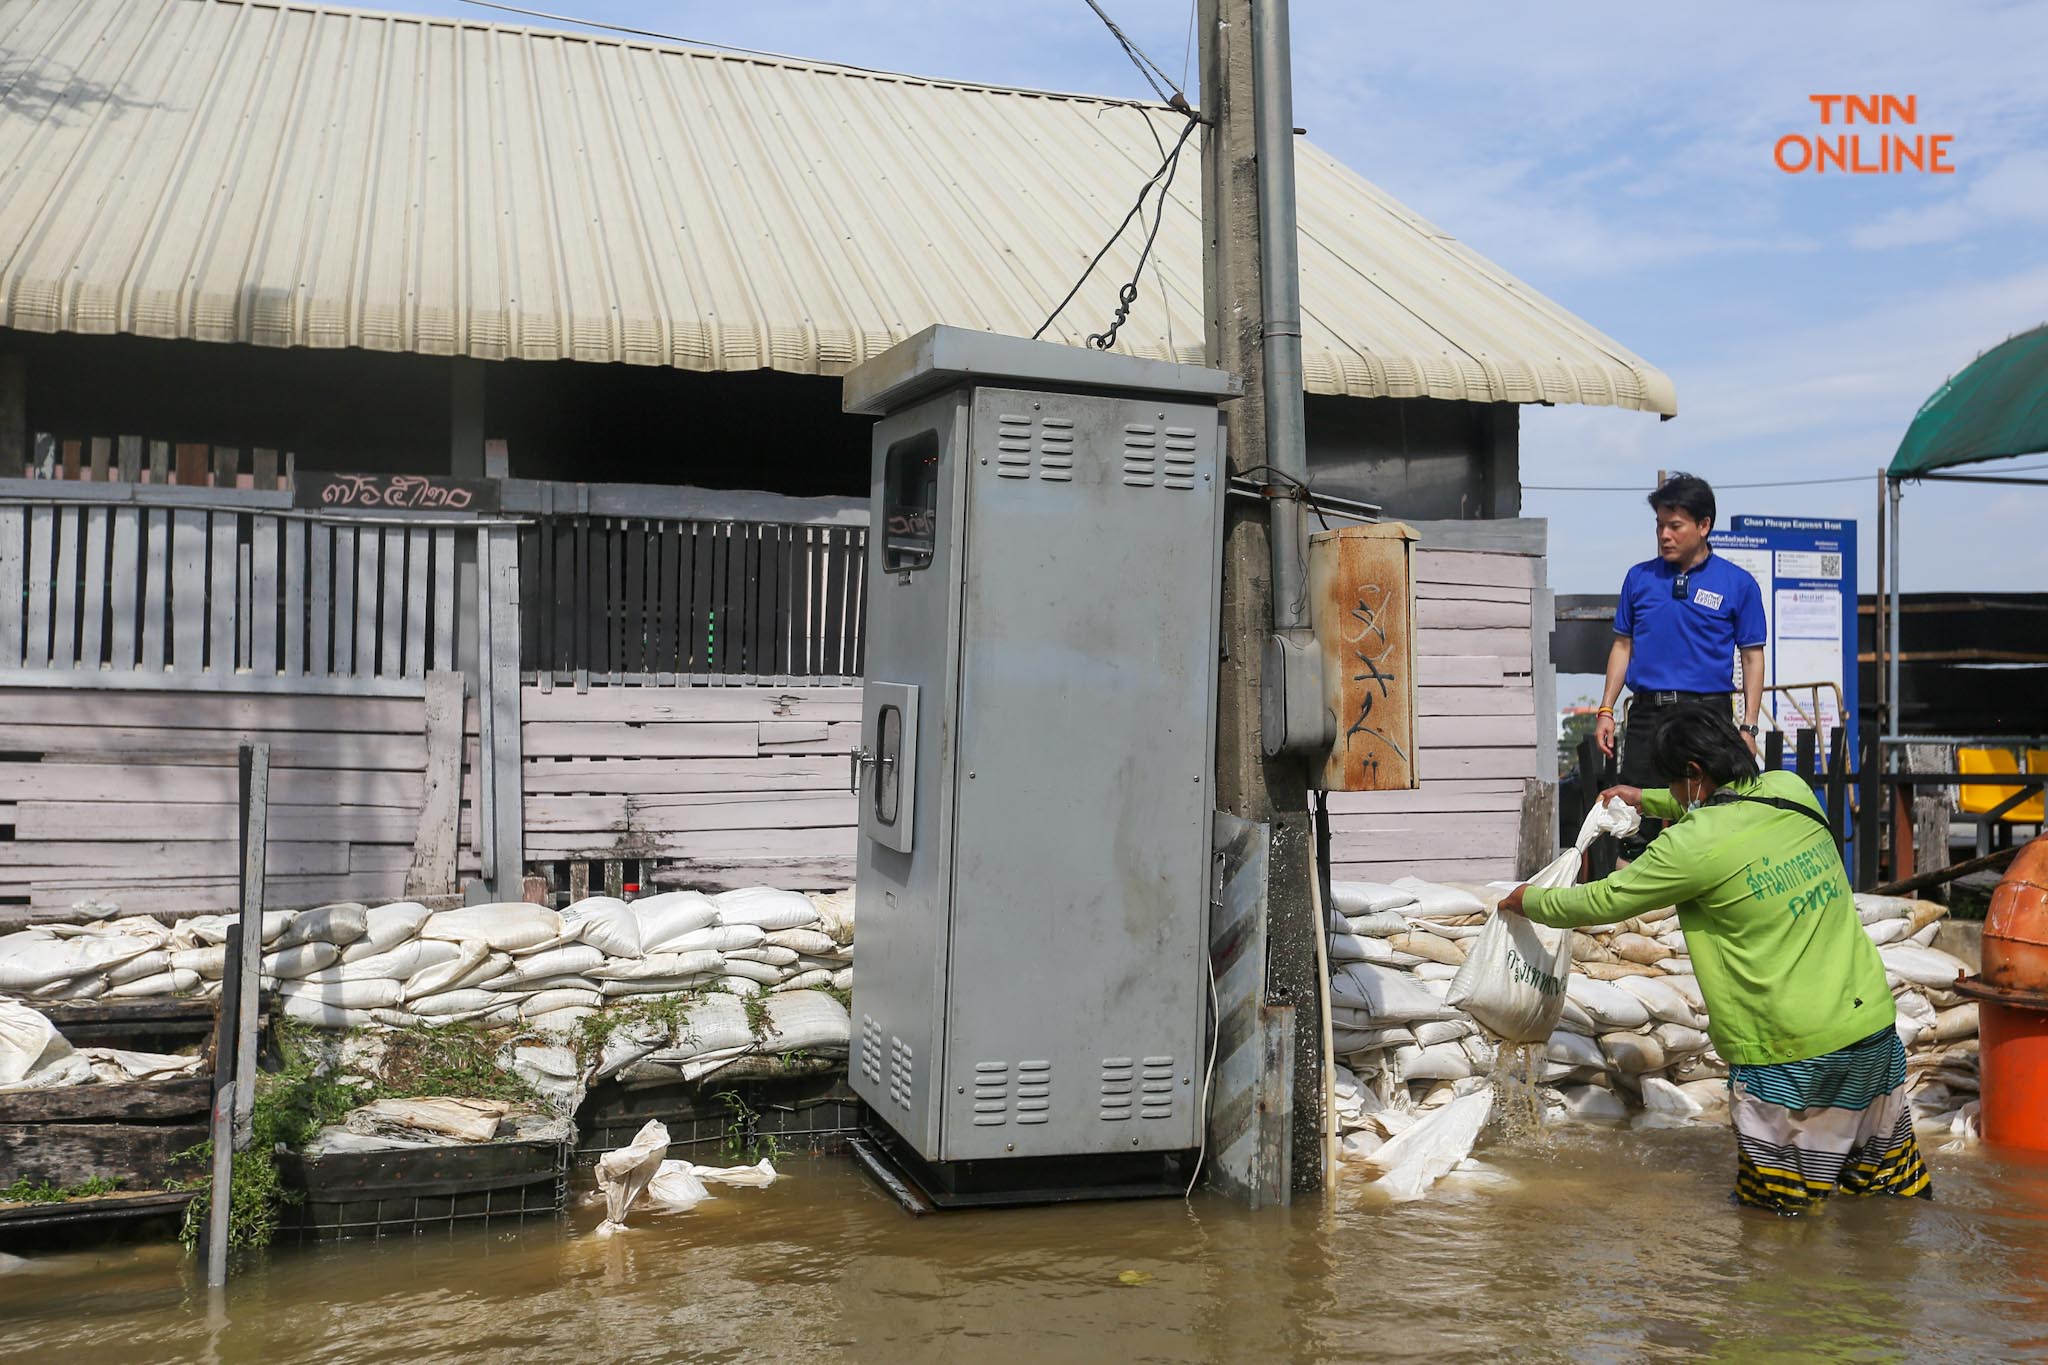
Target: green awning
(1995, 408)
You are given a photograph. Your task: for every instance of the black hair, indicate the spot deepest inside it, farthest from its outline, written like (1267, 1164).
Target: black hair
(1702, 734)
(1689, 493)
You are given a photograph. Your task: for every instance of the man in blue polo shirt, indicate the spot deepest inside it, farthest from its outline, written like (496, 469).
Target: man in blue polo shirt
(1682, 619)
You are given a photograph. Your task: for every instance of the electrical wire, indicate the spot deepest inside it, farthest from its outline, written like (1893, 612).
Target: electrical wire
(1146, 66)
(1778, 483)
(1209, 1080)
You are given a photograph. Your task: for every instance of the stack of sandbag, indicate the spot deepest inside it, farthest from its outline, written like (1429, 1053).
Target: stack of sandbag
(349, 965)
(719, 1030)
(1632, 1038)
(34, 1055)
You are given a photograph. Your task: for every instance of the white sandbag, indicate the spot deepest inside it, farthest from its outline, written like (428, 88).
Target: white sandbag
(402, 963)
(119, 1066)
(1666, 1004)
(1478, 1049)
(1574, 1050)
(40, 962)
(743, 987)
(1610, 1005)
(387, 926)
(1357, 1021)
(163, 983)
(1956, 1023)
(1444, 1031)
(816, 979)
(1687, 985)
(339, 924)
(752, 971)
(560, 998)
(807, 1021)
(300, 959)
(1913, 1005)
(1389, 997)
(815, 942)
(574, 960)
(1680, 1040)
(716, 1023)
(625, 1173)
(505, 926)
(374, 993)
(1922, 966)
(1433, 900)
(659, 985)
(1593, 1102)
(658, 966)
(28, 1040)
(1924, 935)
(1380, 924)
(1873, 909)
(1636, 948)
(767, 954)
(1888, 930)
(309, 1009)
(1429, 947)
(669, 915)
(1513, 980)
(1366, 948)
(675, 1188)
(758, 1176)
(1573, 1017)
(605, 923)
(767, 907)
(444, 1003)
(473, 962)
(1633, 1054)
(842, 980)
(1443, 1062)
(563, 1022)
(135, 968)
(512, 985)
(1367, 898)
(1409, 1164)
(1662, 1097)
(717, 938)
(210, 964)
(464, 1120)
(1438, 972)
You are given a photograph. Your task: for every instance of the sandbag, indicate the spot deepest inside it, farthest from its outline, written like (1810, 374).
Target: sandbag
(758, 1176)
(752, 971)
(339, 924)
(1662, 1097)
(1922, 966)
(766, 907)
(658, 966)
(444, 1003)
(561, 1022)
(740, 986)
(375, 993)
(1366, 898)
(1679, 1040)
(1368, 948)
(671, 914)
(41, 962)
(811, 941)
(1409, 1164)
(623, 1174)
(473, 961)
(1633, 1054)
(1593, 1102)
(300, 959)
(506, 926)
(1888, 931)
(559, 998)
(1379, 924)
(169, 982)
(815, 979)
(310, 1009)
(662, 985)
(463, 1120)
(606, 924)
(1665, 1002)
(675, 1188)
(575, 959)
(28, 1041)
(1428, 946)
(1434, 901)
(767, 954)
(807, 1021)
(401, 963)
(135, 968)
(1610, 1005)
(717, 938)
(1513, 981)
(1956, 1023)
(1871, 909)
(1444, 1031)
(387, 926)
(1637, 948)
(1574, 1050)
(1387, 997)
(209, 963)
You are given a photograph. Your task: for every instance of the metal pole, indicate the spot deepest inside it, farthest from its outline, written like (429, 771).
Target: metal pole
(1898, 702)
(1280, 305)
(1880, 639)
(255, 822)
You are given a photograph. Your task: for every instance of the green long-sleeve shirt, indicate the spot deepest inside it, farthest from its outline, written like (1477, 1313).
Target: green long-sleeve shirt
(1782, 959)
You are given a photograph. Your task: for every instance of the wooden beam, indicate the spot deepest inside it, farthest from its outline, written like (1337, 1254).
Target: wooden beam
(433, 859)
(14, 451)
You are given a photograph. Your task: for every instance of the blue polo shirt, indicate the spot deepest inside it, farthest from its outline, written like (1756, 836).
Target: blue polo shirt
(1687, 643)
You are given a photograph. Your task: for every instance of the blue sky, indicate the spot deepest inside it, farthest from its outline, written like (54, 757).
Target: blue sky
(1618, 158)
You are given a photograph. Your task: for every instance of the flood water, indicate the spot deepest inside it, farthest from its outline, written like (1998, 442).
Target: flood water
(1605, 1246)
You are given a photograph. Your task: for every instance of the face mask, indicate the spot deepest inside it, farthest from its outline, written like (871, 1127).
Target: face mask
(1693, 804)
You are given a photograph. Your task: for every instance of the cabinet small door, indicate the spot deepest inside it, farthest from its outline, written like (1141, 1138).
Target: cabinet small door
(888, 765)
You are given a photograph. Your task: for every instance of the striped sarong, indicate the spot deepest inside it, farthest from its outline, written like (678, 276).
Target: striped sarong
(1804, 1130)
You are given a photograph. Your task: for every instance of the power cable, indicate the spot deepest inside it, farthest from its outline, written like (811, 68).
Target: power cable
(1146, 66)
(1780, 483)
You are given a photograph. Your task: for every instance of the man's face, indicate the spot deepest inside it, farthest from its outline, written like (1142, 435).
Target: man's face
(1679, 537)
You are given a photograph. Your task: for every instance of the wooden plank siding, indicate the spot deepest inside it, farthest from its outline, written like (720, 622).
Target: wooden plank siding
(128, 797)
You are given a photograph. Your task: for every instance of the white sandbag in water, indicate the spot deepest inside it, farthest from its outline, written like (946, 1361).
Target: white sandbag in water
(339, 924)
(163, 983)
(300, 959)
(387, 926)
(1666, 1004)
(1389, 997)
(1926, 967)
(1410, 1163)
(40, 962)
(1666, 1105)
(625, 1173)
(506, 926)
(807, 1021)
(671, 914)
(473, 962)
(27, 1041)
(658, 966)
(559, 998)
(1367, 898)
(605, 923)
(1610, 1005)
(1435, 901)
(812, 941)
(575, 959)
(401, 963)
(758, 1176)
(675, 1188)
(816, 979)
(1633, 1054)
(1593, 1102)
(375, 993)
(767, 907)
(717, 938)
(135, 968)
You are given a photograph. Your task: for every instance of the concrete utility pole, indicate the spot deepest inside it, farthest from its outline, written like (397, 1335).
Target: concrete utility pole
(1249, 784)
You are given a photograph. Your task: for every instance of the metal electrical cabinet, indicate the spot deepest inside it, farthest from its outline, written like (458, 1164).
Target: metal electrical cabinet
(1035, 757)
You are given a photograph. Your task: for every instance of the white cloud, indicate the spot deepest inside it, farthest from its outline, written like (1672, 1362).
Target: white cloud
(2011, 192)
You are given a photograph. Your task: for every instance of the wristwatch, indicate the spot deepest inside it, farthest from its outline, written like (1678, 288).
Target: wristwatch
(1749, 730)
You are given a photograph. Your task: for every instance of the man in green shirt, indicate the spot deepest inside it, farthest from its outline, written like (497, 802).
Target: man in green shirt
(1797, 1002)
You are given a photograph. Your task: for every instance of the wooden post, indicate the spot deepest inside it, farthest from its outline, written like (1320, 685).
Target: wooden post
(501, 819)
(1930, 815)
(1537, 842)
(255, 826)
(1838, 786)
(433, 852)
(13, 414)
(222, 1130)
(1774, 751)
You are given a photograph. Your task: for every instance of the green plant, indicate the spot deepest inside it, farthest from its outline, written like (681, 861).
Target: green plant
(842, 995)
(742, 1139)
(668, 1012)
(756, 1007)
(26, 1191)
(423, 1063)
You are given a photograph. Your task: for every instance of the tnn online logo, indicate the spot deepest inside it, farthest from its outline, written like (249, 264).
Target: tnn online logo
(1860, 148)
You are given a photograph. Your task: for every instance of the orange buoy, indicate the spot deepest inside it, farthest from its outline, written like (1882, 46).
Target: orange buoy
(2012, 1010)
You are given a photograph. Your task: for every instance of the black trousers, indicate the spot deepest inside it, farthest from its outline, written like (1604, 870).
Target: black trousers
(1637, 736)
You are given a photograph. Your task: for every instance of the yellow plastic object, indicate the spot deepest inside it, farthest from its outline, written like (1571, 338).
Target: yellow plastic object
(1976, 799)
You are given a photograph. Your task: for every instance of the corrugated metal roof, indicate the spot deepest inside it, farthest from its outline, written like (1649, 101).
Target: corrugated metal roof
(237, 170)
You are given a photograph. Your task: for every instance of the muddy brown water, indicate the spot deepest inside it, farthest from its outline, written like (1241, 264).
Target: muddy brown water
(1597, 1245)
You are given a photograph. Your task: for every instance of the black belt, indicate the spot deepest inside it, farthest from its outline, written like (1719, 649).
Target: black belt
(1653, 700)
